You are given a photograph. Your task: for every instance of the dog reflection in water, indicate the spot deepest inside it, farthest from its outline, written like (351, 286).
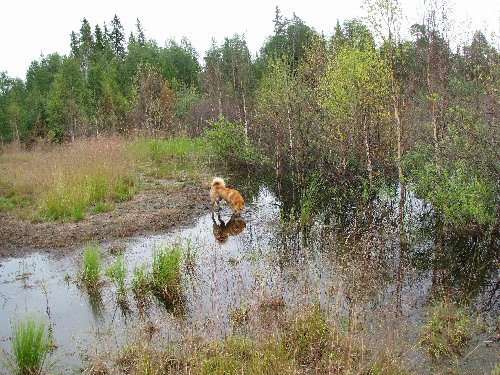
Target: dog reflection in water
(233, 227)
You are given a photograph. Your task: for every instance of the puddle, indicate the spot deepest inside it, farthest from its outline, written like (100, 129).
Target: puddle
(248, 265)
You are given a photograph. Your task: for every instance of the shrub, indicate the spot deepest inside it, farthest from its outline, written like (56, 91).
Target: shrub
(454, 190)
(229, 142)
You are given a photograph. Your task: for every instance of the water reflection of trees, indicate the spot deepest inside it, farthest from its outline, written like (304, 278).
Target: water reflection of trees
(381, 244)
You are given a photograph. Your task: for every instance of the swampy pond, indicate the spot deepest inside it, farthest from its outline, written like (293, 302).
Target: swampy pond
(368, 271)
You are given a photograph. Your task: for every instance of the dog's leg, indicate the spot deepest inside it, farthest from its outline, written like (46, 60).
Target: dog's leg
(213, 198)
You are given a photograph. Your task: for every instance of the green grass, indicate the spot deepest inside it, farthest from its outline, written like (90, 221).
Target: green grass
(166, 273)
(140, 284)
(91, 268)
(446, 331)
(238, 355)
(118, 272)
(178, 158)
(31, 345)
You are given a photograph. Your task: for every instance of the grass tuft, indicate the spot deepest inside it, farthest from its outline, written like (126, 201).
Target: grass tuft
(118, 272)
(166, 274)
(91, 269)
(31, 345)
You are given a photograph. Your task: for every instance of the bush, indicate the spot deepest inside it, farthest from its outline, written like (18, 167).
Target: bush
(229, 143)
(453, 189)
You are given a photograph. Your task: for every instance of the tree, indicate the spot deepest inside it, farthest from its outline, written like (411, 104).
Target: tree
(385, 16)
(117, 38)
(237, 71)
(479, 57)
(153, 102)
(39, 82)
(276, 97)
(179, 64)
(356, 92)
(213, 81)
(86, 47)
(353, 33)
(289, 40)
(141, 38)
(66, 102)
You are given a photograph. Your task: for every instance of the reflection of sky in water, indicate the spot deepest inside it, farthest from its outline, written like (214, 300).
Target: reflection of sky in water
(250, 268)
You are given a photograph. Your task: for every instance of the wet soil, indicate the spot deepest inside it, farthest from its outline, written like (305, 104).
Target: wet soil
(154, 209)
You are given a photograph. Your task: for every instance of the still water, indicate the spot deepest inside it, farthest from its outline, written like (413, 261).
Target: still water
(377, 269)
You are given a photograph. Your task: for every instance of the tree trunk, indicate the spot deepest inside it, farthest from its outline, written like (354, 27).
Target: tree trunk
(366, 135)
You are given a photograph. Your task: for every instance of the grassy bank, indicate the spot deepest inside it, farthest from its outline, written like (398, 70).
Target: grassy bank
(88, 176)
(306, 343)
(67, 182)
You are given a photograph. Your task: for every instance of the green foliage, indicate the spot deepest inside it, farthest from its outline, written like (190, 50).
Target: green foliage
(353, 33)
(91, 268)
(10, 198)
(357, 84)
(229, 143)
(290, 40)
(447, 330)
(65, 103)
(307, 339)
(453, 190)
(123, 189)
(31, 345)
(70, 199)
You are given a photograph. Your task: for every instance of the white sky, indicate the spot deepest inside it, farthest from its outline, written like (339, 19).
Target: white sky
(29, 28)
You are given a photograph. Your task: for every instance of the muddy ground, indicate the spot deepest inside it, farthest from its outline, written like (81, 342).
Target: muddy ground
(152, 210)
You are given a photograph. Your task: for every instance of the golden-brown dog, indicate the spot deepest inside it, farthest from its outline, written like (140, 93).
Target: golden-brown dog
(233, 198)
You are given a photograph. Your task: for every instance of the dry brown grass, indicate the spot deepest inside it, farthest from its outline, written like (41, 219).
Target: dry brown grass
(64, 181)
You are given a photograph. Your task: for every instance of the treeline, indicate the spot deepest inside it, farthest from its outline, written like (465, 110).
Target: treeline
(362, 105)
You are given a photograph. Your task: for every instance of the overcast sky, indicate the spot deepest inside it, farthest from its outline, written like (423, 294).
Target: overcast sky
(31, 28)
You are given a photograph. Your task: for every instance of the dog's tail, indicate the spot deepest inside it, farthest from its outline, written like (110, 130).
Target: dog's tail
(218, 182)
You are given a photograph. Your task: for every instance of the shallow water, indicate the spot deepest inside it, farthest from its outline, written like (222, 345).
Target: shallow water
(264, 267)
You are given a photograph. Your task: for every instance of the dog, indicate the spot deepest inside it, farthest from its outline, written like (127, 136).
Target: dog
(233, 227)
(233, 198)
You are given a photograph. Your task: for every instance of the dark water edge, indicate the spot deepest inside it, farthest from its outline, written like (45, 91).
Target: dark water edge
(375, 266)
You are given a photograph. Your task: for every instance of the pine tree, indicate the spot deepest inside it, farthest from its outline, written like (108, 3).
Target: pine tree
(86, 47)
(117, 38)
(141, 39)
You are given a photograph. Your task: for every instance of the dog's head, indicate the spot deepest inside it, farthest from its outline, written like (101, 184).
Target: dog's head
(238, 207)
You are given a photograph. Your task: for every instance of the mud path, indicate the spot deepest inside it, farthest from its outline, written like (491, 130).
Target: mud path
(152, 210)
